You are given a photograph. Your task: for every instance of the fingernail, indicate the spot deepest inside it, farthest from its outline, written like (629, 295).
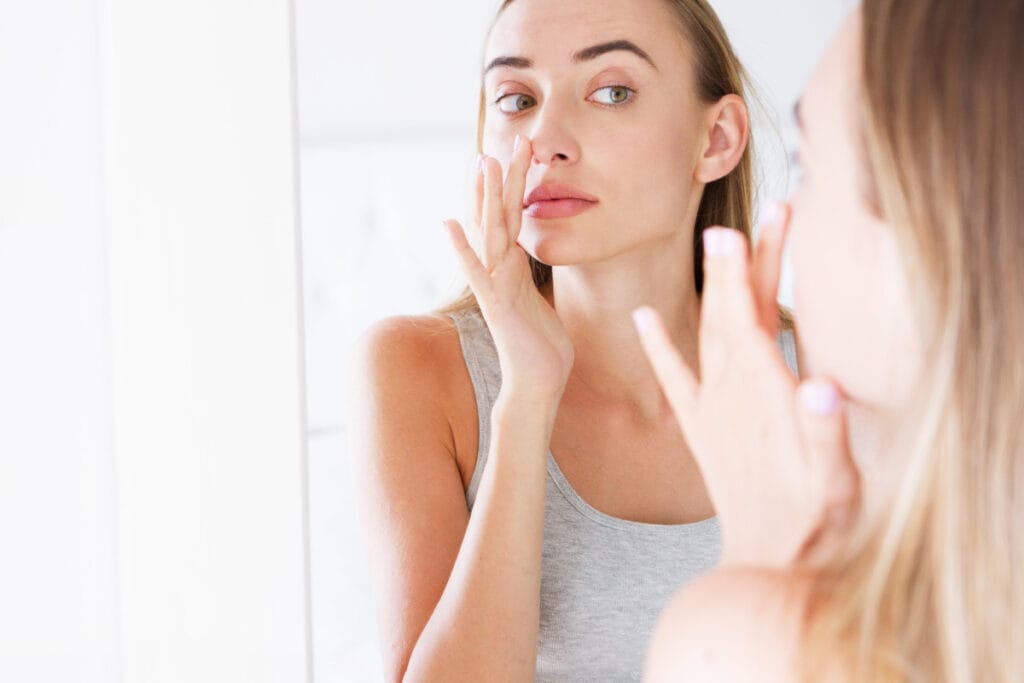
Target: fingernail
(515, 144)
(769, 212)
(719, 242)
(643, 318)
(820, 398)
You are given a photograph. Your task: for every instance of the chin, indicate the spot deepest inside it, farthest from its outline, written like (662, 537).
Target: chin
(559, 242)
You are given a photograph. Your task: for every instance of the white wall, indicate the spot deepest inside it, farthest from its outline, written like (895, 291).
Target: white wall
(387, 98)
(152, 420)
(58, 589)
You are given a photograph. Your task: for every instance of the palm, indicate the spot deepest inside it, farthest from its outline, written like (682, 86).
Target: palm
(533, 346)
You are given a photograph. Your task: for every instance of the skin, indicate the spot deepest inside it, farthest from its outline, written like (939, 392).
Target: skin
(575, 375)
(852, 307)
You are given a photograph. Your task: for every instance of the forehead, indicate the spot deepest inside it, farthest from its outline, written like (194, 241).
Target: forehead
(830, 100)
(550, 31)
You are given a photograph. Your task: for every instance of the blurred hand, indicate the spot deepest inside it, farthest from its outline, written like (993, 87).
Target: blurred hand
(773, 452)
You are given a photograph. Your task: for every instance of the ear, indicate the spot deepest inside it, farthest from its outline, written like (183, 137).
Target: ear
(728, 128)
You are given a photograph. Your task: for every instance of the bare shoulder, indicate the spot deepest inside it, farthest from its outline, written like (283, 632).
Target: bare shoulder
(407, 354)
(408, 374)
(410, 340)
(730, 625)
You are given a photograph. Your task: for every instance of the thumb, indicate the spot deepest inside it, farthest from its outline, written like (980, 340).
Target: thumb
(833, 472)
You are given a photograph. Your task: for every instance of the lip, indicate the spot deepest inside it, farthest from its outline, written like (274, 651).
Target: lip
(557, 208)
(557, 200)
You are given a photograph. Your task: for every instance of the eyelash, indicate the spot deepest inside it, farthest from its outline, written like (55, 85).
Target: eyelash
(628, 101)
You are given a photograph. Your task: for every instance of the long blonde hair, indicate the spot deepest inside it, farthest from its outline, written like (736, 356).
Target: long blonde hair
(727, 201)
(934, 591)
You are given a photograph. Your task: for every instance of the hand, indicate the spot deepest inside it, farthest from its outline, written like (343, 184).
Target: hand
(534, 349)
(773, 453)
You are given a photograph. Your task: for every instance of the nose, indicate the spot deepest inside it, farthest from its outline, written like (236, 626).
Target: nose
(553, 143)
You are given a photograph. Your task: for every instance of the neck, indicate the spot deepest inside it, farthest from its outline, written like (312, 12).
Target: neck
(595, 301)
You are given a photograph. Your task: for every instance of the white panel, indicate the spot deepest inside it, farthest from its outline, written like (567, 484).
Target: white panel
(58, 608)
(206, 328)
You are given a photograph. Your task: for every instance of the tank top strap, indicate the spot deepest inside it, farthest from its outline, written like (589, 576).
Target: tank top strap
(481, 358)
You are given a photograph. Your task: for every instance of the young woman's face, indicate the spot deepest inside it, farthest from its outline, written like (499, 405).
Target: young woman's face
(852, 307)
(620, 127)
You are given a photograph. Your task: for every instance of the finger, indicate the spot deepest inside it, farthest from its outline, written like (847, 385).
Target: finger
(515, 186)
(478, 182)
(728, 314)
(476, 273)
(766, 267)
(495, 235)
(677, 379)
(833, 472)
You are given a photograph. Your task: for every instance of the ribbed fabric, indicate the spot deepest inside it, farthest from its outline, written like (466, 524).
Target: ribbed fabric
(604, 580)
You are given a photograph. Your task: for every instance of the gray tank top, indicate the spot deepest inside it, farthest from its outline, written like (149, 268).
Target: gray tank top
(604, 580)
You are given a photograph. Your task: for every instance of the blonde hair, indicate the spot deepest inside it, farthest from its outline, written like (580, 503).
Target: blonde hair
(727, 201)
(935, 590)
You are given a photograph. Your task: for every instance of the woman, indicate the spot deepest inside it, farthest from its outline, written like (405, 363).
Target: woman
(907, 250)
(621, 127)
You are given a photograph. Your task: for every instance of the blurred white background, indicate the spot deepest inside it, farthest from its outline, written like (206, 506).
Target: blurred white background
(152, 424)
(387, 112)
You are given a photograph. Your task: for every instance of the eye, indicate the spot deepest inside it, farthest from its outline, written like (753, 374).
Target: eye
(616, 94)
(514, 102)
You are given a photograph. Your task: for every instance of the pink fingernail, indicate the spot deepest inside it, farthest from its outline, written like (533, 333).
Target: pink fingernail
(820, 398)
(769, 212)
(515, 144)
(643, 319)
(719, 242)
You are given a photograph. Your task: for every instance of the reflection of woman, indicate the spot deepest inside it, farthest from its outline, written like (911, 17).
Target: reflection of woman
(907, 250)
(621, 126)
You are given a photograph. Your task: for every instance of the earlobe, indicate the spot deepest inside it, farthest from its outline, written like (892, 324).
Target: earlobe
(728, 132)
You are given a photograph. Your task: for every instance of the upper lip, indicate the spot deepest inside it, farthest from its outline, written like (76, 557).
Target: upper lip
(548, 191)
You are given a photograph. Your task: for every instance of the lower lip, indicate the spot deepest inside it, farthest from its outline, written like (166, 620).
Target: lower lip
(558, 208)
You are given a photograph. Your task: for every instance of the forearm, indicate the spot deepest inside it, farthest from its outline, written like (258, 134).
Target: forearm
(486, 622)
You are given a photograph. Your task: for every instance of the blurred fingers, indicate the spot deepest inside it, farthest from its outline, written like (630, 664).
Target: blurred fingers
(728, 313)
(677, 379)
(830, 464)
(767, 262)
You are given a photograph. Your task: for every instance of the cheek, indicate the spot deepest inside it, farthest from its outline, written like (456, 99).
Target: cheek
(654, 174)
(846, 294)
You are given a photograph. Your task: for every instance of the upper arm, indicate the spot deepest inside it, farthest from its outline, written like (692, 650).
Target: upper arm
(408, 485)
(730, 625)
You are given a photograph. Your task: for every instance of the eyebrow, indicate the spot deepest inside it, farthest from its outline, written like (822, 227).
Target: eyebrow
(584, 55)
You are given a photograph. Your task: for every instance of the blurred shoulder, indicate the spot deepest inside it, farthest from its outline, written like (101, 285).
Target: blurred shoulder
(730, 625)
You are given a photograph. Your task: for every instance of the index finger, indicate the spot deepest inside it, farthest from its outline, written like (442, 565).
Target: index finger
(515, 186)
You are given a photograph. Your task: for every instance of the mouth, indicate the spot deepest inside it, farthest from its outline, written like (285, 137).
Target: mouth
(557, 200)
(558, 208)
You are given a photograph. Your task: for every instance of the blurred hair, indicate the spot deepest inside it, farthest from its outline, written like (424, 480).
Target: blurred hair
(934, 589)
